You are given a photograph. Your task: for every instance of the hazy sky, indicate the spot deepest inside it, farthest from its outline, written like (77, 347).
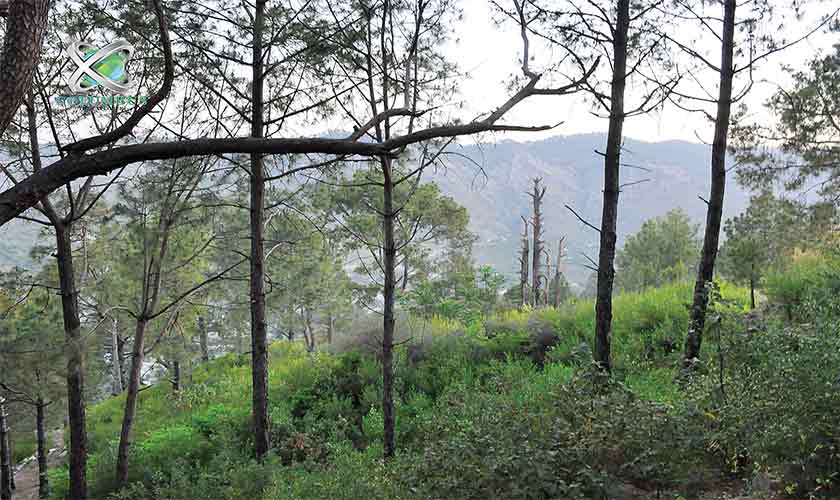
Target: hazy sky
(490, 54)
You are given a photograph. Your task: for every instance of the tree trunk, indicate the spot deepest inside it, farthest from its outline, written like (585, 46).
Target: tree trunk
(330, 327)
(558, 274)
(752, 292)
(706, 269)
(75, 364)
(523, 266)
(26, 23)
(5, 456)
(43, 479)
(536, 257)
(609, 216)
(389, 263)
(116, 360)
(176, 376)
(202, 339)
(133, 390)
(259, 337)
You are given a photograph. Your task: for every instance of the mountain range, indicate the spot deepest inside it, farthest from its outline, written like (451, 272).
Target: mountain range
(492, 182)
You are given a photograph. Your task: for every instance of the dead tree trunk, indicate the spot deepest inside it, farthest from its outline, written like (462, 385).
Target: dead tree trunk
(547, 289)
(5, 455)
(557, 299)
(536, 256)
(523, 266)
(609, 216)
(259, 334)
(706, 269)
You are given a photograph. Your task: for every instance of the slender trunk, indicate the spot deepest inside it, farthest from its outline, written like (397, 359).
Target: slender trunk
(176, 376)
(75, 364)
(259, 337)
(536, 256)
(116, 360)
(307, 318)
(202, 339)
(131, 393)
(523, 266)
(389, 263)
(404, 284)
(706, 269)
(609, 216)
(558, 275)
(121, 360)
(330, 327)
(752, 292)
(43, 479)
(5, 456)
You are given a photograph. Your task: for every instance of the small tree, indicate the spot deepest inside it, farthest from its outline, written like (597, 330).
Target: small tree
(664, 250)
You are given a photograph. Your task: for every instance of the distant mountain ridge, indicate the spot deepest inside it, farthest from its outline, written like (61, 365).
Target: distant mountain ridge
(667, 175)
(491, 182)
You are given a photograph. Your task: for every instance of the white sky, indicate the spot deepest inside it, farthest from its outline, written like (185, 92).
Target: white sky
(490, 54)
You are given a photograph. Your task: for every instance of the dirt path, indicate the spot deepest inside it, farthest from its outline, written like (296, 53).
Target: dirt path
(26, 478)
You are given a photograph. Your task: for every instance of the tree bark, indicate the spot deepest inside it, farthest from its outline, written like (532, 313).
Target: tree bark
(330, 327)
(389, 264)
(40, 429)
(116, 360)
(558, 275)
(706, 269)
(259, 337)
(609, 216)
(26, 23)
(202, 339)
(75, 363)
(536, 257)
(131, 393)
(5, 455)
(523, 266)
(176, 376)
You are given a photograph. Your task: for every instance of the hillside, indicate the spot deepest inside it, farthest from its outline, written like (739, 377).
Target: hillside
(573, 174)
(486, 410)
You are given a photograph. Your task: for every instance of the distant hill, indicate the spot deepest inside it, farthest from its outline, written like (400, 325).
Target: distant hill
(16, 240)
(572, 171)
(491, 181)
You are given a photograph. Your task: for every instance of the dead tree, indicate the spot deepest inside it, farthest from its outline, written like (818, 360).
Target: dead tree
(557, 298)
(523, 265)
(536, 221)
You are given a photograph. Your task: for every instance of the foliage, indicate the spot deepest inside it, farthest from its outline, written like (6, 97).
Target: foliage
(664, 250)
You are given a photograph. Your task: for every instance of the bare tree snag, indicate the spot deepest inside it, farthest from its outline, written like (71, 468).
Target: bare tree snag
(536, 221)
(523, 266)
(558, 275)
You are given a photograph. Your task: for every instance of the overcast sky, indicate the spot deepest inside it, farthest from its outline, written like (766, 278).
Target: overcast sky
(490, 54)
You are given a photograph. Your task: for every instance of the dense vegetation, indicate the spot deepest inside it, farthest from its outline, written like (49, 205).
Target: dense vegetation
(508, 407)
